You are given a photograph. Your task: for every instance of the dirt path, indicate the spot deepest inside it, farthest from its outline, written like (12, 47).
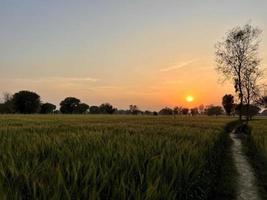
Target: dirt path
(247, 189)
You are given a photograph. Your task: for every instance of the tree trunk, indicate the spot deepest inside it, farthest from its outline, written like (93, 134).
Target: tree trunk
(241, 110)
(248, 105)
(240, 94)
(248, 102)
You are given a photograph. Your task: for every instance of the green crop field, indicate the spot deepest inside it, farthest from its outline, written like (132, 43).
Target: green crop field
(259, 135)
(256, 149)
(110, 157)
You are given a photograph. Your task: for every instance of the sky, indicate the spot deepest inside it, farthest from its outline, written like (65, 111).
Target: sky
(152, 53)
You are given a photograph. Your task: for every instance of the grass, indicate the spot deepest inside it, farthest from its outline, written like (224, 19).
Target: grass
(226, 184)
(256, 149)
(114, 157)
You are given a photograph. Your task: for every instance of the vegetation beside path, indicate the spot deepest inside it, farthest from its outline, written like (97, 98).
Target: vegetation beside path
(226, 184)
(255, 148)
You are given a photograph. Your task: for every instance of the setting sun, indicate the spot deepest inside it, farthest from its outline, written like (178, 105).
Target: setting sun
(189, 98)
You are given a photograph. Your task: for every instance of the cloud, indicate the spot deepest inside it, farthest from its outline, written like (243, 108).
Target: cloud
(67, 84)
(54, 79)
(140, 93)
(76, 79)
(108, 87)
(178, 66)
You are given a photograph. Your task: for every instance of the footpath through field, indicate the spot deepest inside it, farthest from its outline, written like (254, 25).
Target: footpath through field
(247, 189)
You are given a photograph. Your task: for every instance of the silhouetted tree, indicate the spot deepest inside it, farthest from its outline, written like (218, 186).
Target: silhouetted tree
(185, 111)
(8, 105)
(69, 105)
(251, 87)
(166, 111)
(47, 108)
(57, 112)
(26, 102)
(194, 111)
(122, 112)
(134, 109)
(177, 110)
(228, 103)
(94, 110)
(262, 102)
(106, 108)
(2, 108)
(249, 110)
(81, 108)
(213, 110)
(148, 112)
(237, 58)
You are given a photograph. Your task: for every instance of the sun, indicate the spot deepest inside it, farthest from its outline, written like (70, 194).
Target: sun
(189, 98)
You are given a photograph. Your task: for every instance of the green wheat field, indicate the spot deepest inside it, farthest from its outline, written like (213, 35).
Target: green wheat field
(114, 157)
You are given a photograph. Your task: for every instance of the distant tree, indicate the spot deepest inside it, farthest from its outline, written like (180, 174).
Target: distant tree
(7, 97)
(2, 108)
(57, 112)
(194, 111)
(122, 112)
(47, 108)
(201, 109)
(69, 105)
(148, 112)
(81, 108)
(8, 105)
(106, 108)
(134, 109)
(228, 103)
(166, 111)
(155, 113)
(185, 111)
(140, 112)
(177, 110)
(26, 102)
(213, 110)
(237, 59)
(249, 110)
(94, 110)
(262, 102)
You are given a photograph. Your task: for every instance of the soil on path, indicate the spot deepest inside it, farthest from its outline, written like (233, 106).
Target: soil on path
(247, 189)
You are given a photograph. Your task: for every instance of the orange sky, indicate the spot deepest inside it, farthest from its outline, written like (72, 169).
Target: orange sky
(149, 53)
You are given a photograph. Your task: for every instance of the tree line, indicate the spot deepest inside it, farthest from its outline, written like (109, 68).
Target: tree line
(27, 102)
(229, 107)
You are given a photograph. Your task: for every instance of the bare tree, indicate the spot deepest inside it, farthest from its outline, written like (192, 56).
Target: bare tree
(251, 88)
(133, 109)
(237, 59)
(8, 102)
(7, 97)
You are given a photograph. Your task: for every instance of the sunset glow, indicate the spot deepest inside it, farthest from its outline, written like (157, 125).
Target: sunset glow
(189, 98)
(149, 53)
